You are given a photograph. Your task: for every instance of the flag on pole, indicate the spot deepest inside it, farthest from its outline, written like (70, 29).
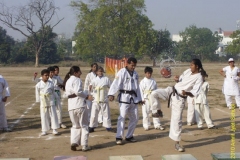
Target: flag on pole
(112, 66)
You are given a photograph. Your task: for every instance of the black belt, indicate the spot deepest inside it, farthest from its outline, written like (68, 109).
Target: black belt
(173, 93)
(132, 92)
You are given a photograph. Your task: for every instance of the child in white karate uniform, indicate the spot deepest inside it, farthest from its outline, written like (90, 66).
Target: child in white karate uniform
(99, 87)
(4, 94)
(201, 105)
(77, 108)
(57, 89)
(45, 95)
(147, 85)
(90, 76)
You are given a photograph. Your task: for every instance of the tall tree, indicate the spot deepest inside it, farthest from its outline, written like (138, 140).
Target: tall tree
(48, 52)
(234, 47)
(199, 42)
(6, 45)
(161, 42)
(32, 17)
(111, 27)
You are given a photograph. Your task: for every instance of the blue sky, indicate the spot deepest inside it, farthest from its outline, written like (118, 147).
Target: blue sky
(174, 15)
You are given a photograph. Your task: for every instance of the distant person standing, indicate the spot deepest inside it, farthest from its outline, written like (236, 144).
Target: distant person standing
(4, 94)
(90, 76)
(77, 108)
(230, 84)
(57, 89)
(147, 86)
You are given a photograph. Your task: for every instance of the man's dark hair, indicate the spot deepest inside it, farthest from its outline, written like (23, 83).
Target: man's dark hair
(131, 59)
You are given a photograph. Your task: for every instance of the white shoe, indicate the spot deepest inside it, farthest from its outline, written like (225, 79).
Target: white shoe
(55, 133)
(118, 142)
(146, 129)
(86, 148)
(160, 127)
(179, 148)
(43, 133)
(189, 124)
(63, 126)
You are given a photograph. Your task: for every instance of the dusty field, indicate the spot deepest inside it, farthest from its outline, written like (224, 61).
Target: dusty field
(25, 140)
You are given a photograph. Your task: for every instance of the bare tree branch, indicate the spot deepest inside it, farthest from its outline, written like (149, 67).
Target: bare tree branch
(33, 17)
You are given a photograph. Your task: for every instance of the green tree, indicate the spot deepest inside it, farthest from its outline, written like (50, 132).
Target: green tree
(161, 42)
(38, 12)
(6, 45)
(116, 27)
(48, 52)
(198, 42)
(234, 47)
(64, 48)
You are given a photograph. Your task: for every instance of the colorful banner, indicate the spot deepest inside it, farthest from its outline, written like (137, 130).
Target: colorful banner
(112, 66)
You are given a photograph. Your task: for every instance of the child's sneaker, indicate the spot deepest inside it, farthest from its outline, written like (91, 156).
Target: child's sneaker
(43, 133)
(55, 133)
(63, 126)
(160, 127)
(86, 148)
(146, 129)
(179, 148)
(118, 141)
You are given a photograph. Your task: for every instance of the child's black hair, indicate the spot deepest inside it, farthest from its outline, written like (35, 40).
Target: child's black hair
(199, 64)
(148, 69)
(56, 67)
(73, 69)
(204, 74)
(45, 71)
(100, 68)
(51, 68)
(92, 66)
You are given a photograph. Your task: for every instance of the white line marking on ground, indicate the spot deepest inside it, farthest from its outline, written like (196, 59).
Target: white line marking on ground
(18, 120)
(18, 96)
(222, 111)
(4, 135)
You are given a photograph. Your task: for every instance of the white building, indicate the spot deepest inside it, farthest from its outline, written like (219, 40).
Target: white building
(73, 45)
(176, 37)
(226, 40)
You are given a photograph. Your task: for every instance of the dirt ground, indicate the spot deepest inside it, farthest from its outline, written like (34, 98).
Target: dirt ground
(25, 140)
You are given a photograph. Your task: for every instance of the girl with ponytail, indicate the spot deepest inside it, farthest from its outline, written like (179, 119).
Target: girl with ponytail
(188, 85)
(77, 108)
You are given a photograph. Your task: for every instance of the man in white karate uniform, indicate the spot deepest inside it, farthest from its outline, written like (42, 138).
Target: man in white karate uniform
(127, 83)
(230, 87)
(4, 94)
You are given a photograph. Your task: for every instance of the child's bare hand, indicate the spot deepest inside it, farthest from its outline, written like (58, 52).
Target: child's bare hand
(4, 99)
(111, 98)
(184, 93)
(176, 78)
(90, 98)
